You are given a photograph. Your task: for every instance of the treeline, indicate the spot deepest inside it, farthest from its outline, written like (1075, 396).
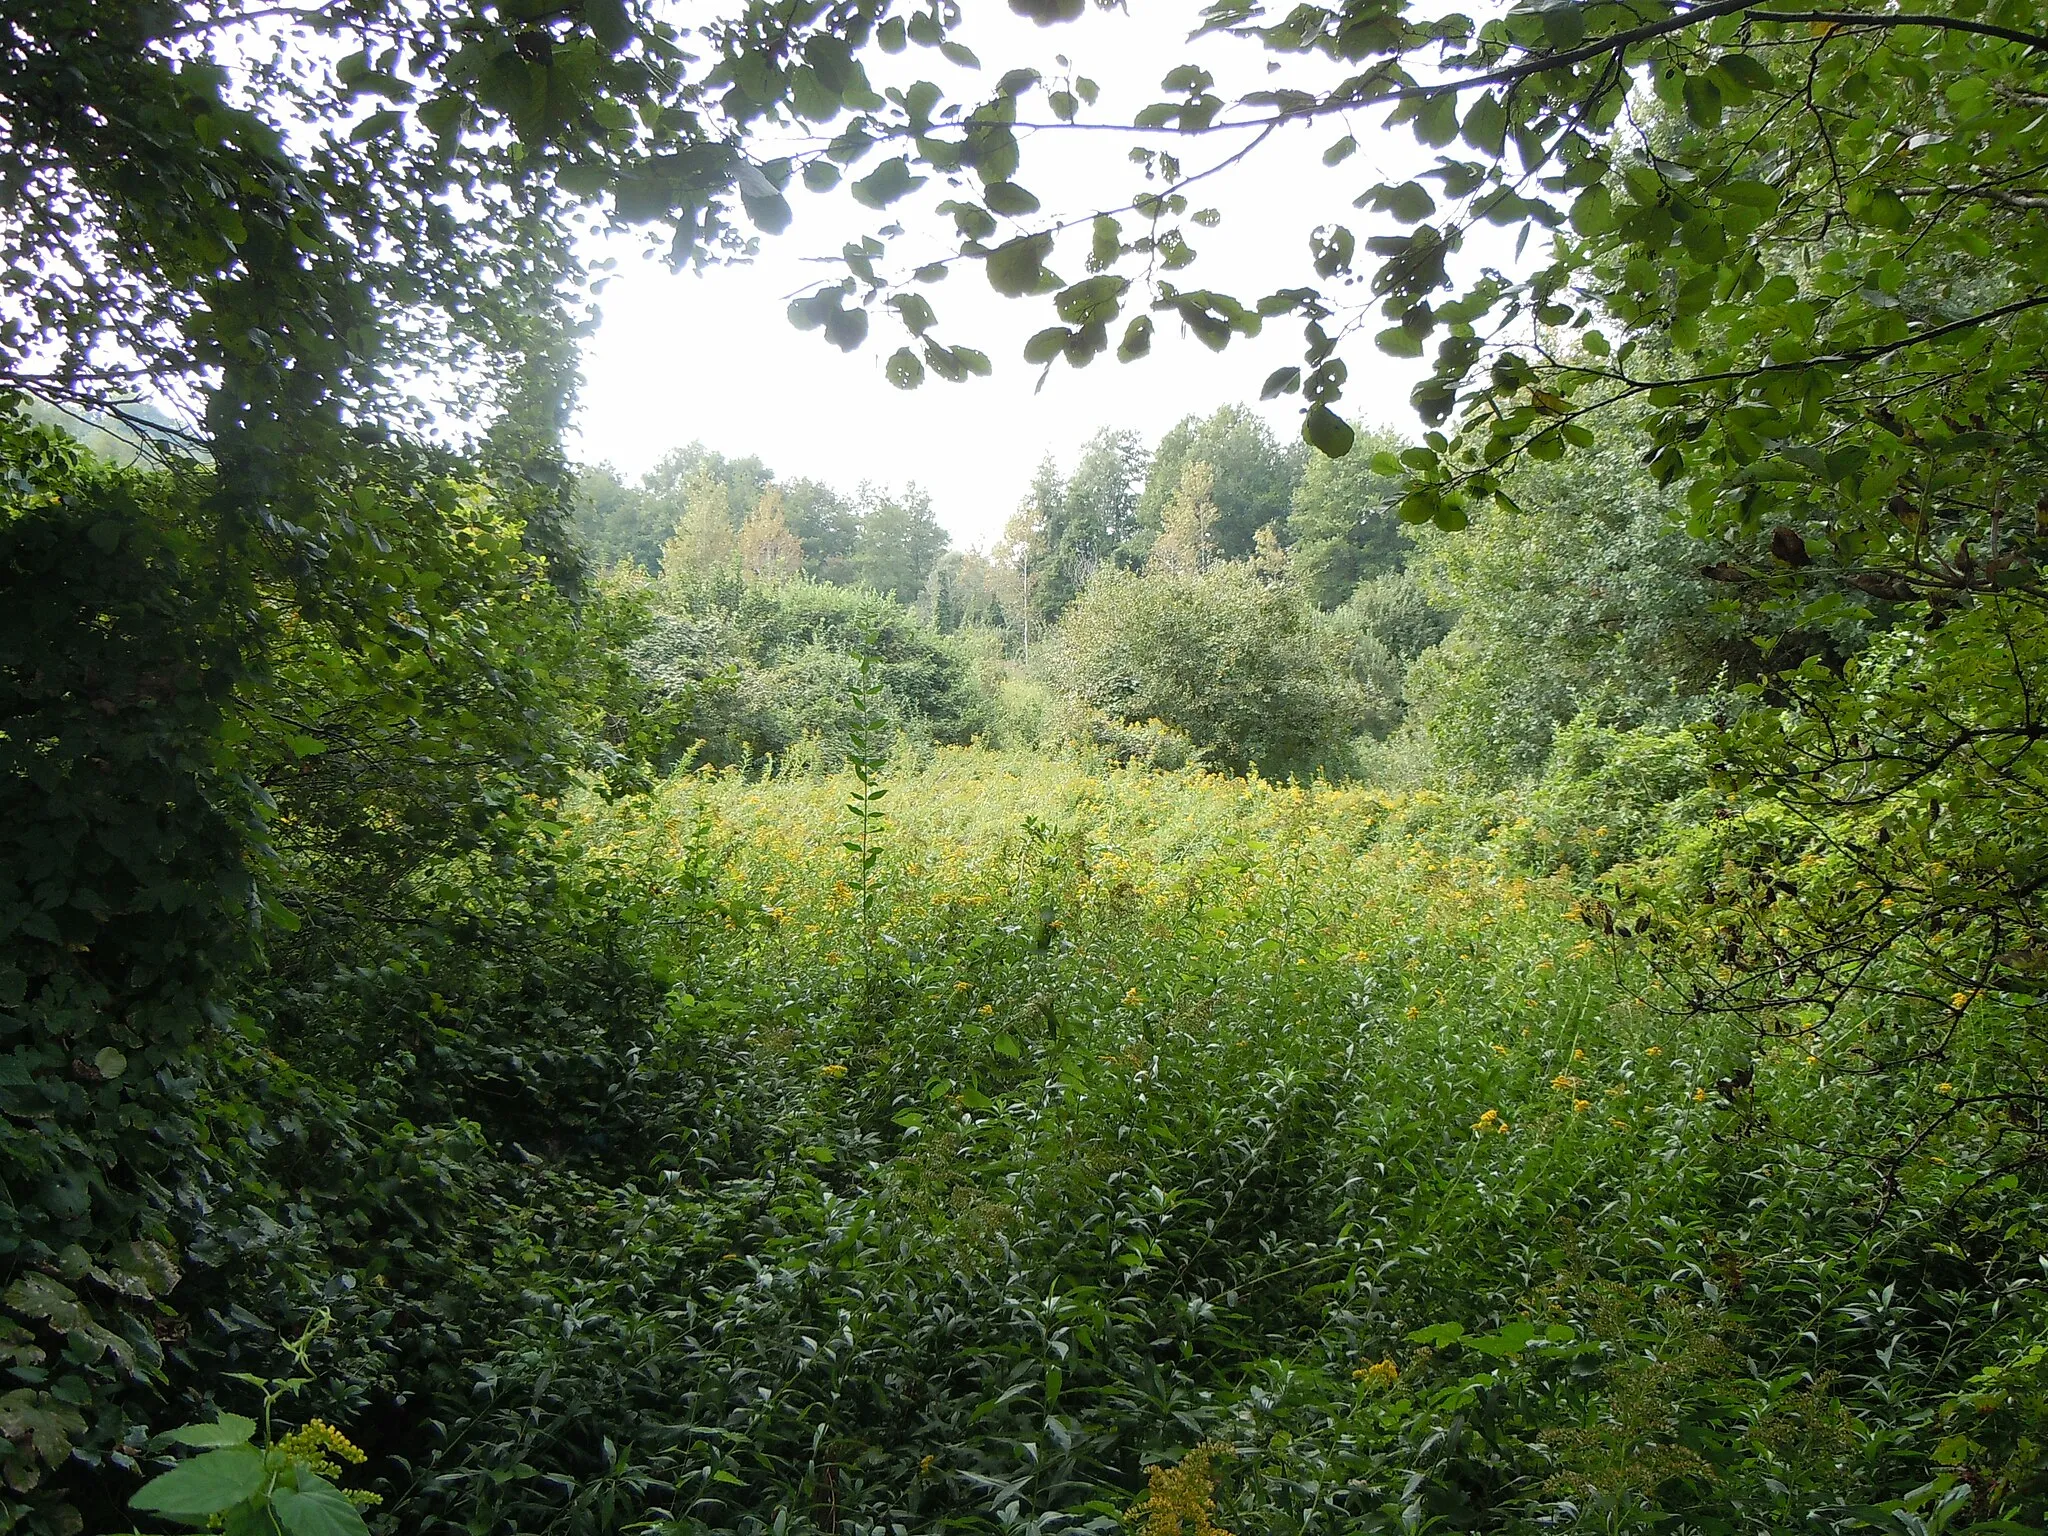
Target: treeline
(1218, 595)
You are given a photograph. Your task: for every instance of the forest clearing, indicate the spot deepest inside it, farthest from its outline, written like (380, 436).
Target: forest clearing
(880, 767)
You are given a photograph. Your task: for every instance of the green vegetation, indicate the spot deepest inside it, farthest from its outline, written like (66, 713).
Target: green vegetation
(1490, 982)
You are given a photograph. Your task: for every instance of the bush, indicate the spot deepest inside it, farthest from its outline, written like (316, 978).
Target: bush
(754, 670)
(1239, 667)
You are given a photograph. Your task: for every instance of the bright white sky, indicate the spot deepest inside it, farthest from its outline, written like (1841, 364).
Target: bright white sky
(713, 358)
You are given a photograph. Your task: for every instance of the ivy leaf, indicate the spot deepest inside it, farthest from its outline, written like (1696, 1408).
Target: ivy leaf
(196, 1490)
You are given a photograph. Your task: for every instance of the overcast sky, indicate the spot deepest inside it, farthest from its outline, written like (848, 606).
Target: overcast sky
(712, 358)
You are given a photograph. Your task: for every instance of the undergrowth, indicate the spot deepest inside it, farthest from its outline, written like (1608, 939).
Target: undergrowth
(1167, 1121)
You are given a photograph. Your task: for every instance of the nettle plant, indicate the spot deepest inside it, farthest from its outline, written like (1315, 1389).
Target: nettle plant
(279, 1487)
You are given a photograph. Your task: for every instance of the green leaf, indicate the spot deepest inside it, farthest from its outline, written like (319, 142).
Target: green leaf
(1105, 241)
(1046, 12)
(886, 183)
(1748, 69)
(375, 126)
(916, 312)
(1399, 341)
(316, 1508)
(1137, 340)
(1486, 126)
(228, 1429)
(903, 369)
(608, 23)
(1340, 151)
(1006, 197)
(1436, 120)
(1593, 210)
(1409, 202)
(1281, 381)
(205, 1486)
(1017, 267)
(1046, 345)
(1093, 300)
(1327, 432)
(770, 214)
(1703, 100)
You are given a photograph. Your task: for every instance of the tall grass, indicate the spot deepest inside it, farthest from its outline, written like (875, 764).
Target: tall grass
(1177, 1111)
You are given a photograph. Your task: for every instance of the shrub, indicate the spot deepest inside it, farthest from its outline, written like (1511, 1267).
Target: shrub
(753, 670)
(1238, 667)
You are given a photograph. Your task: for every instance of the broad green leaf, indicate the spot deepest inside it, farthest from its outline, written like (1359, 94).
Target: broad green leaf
(903, 369)
(1045, 345)
(1399, 341)
(205, 1486)
(1486, 125)
(1006, 197)
(1327, 432)
(227, 1429)
(886, 183)
(316, 1508)
(1017, 267)
(1436, 120)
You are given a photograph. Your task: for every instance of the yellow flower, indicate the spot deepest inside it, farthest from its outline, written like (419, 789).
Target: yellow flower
(1946, 1088)
(988, 1010)
(1563, 1082)
(1490, 1120)
(1580, 1106)
(1578, 1055)
(1132, 999)
(1382, 1373)
(1655, 1050)
(318, 1445)
(1618, 1124)
(1699, 1095)
(1180, 1501)
(959, 987)
(836, 1069)
(1500, 1050)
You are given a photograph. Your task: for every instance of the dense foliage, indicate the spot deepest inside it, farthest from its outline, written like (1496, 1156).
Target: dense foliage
(1636, 1123)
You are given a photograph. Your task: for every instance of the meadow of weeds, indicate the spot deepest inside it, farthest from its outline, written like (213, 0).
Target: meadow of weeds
(1181, 1153)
